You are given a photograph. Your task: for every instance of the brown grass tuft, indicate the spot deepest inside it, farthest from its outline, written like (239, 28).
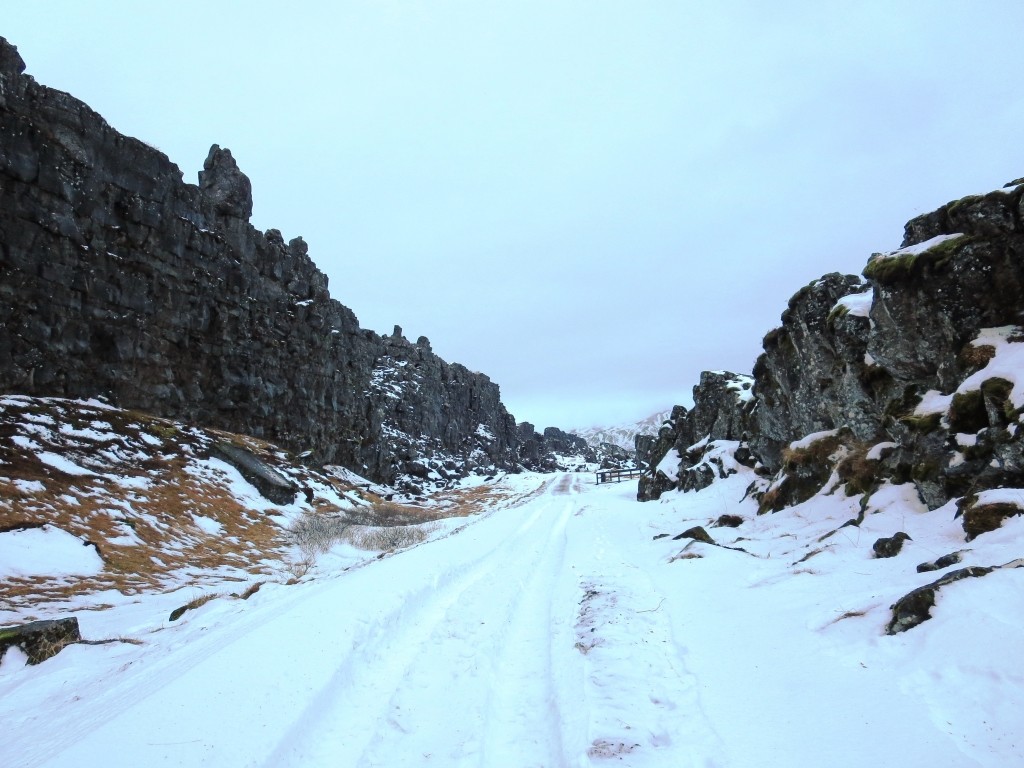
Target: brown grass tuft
(191, 605)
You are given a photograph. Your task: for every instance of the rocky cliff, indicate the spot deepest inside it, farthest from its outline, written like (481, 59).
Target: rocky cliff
(908, 374)
(118, 278)
(554, 450)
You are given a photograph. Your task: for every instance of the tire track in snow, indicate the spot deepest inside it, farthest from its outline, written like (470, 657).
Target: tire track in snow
(525, 710)
(422, 673)
(642, 703)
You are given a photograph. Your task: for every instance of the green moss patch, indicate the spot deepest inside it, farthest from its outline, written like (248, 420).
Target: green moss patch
(890, 269)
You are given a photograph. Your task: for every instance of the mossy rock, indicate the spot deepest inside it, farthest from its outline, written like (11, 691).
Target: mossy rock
(165, 431)
(858, 472)
(967, 412)
(915, 607)
(890, 546)
(974, 357)
(924, 423)
(772, 337)
(996, 392)
(926, 470)
(41, 639)
(697, 533)
(906, 401)
(978, 519)
(838, 311)
(887, 269)
(890, 269)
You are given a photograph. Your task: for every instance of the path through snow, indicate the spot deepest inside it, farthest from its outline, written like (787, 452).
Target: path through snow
(556, 632)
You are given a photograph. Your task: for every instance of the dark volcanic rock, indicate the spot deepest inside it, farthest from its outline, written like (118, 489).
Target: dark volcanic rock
(708, 438)
(227, 189)
(40, 639)
(915, 607)
(938, 564)
(978, 518)
(890, 546)
(809, 378)
(558, 451)
(117, 278)
(271, 484)
(883, 367)
(697, 533)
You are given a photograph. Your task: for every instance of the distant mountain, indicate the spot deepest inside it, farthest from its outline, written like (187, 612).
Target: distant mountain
(623, 435)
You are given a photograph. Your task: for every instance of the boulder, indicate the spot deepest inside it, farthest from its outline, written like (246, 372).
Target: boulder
(41, 639)
(915, 607)
(939, 563)
(978, 518)
(270, 483)
(890, 546)
(697, 533)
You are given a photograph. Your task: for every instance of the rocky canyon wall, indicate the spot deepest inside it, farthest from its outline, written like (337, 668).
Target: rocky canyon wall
(119, 279)
(908, 374)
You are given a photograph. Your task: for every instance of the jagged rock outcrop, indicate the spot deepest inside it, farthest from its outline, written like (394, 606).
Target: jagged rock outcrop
(119, 279)
(810, 376)
(696, 446)
(555, 450)
(909, 374)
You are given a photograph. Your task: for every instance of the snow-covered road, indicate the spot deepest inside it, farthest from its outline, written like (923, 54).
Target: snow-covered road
(519, 640)
(553, 631)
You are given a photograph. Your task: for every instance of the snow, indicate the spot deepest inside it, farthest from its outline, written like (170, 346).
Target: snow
(1012, 496)
(856, 304)
(1008, 362)
(669, 465)
(46, 551)
(29, 486)
(207, 525)
(555, 630)
(914, 250)
(965, 440)
(98, 431)
(933, 401)
(877, 450)
(808, 440)
(62, 463)
(743, 386)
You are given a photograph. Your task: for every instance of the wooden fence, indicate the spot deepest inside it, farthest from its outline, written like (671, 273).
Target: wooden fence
(616, 475)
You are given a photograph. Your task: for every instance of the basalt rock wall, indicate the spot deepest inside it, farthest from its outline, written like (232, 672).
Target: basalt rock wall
(908, 374)
(119, 279)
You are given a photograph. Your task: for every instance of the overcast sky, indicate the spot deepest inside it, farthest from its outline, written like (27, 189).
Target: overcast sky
(590, 202)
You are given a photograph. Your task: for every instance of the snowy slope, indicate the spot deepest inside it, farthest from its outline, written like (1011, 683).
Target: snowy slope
(566, 626)
(623, 434)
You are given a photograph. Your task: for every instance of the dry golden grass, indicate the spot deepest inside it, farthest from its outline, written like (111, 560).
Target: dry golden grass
(137, 506)
(140, 494)
(191, 605)
(159, 519)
